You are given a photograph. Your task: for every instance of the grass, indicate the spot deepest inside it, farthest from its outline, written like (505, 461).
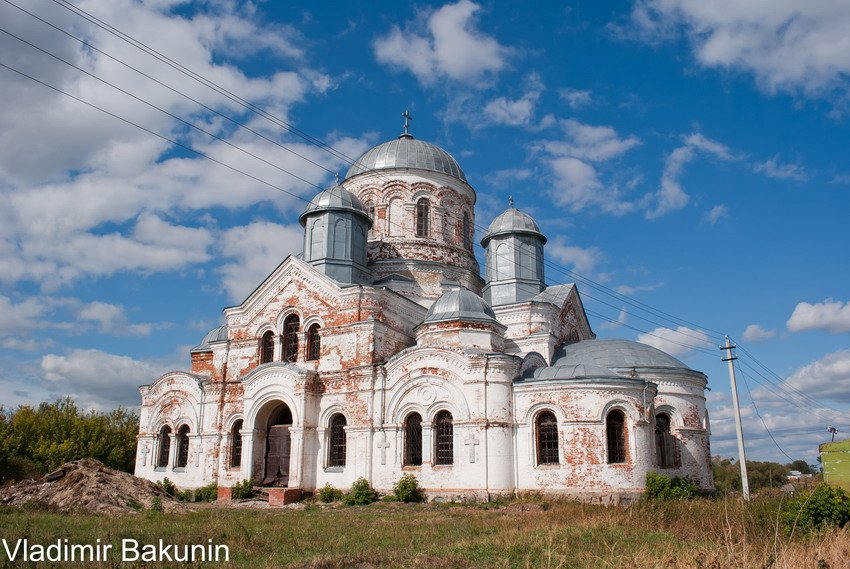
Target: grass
(698, 533)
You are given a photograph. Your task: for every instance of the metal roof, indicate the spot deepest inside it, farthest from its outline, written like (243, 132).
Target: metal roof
(336, 198)
(407, 152)
(614, 354)
(218, 334)
(511, 221)
(460, 304)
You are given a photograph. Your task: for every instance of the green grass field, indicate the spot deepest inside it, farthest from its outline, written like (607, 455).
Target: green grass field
(699, 533)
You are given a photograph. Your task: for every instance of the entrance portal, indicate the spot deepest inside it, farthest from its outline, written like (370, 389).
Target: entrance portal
(278, 445)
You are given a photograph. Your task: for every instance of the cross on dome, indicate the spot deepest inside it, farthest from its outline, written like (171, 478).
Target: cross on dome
(407, 119)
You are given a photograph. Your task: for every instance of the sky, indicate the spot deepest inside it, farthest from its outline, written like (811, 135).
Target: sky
(686, 160)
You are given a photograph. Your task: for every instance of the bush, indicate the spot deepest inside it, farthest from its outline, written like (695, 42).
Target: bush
(660, 487)
(184, 495)
(361, 494)
(823, 508)
(407, 489)
(208, 493)
(328, 494)
(168, 486)
(156, 504)
(242, 490)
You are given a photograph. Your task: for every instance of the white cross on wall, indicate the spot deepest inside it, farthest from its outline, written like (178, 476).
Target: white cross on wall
(471, 442)
(384, 445)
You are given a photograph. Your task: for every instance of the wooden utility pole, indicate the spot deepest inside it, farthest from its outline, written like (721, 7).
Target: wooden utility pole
(742, 454)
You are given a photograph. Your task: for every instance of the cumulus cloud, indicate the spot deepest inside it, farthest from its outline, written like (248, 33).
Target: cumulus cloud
(715, 214)
(676, 342)
(791, 46)
(773, 168)
(828, 377)
(255, 250)
(446, 44)
(99, 378)
(112, 319)
(671, 195)
(755, 333)
(583, 259)
(830, 315)
(515, 112)
(575, 98)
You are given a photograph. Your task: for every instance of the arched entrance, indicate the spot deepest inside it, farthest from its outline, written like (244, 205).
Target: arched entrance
(278, 447)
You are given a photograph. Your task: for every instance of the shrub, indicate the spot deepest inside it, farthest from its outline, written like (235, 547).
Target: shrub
(208, 493)
(156, 504)
(168, 486)
(242, 490)
(328, 494)
(823, 508)
(662, 487)
(407, 489)
(184, 495)
(361, 494)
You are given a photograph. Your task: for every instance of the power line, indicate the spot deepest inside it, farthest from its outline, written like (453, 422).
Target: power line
(764, 424)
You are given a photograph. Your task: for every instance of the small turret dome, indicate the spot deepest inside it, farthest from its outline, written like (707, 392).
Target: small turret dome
(407, 152)
(218, 334)
(512, 221)
(336, 198)
(460, 304)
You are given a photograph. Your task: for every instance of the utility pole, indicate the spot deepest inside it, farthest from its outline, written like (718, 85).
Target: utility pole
(742, 455)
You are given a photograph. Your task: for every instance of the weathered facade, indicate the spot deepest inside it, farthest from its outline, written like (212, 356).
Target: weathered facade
(374, 354)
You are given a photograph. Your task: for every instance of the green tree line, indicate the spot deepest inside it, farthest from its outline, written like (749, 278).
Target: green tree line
(727, 474)
(36, 440)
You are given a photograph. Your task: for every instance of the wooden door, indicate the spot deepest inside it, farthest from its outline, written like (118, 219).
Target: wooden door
(277, 456)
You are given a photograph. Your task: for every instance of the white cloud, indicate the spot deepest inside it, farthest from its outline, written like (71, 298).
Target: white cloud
(99, 378)
(256, 249)
(787, 45)
(716, 213)
(622, 318)
(112, 319)
(671, 195)
(830, 315)
(583, 259)
(828, 377)
(575, 98)
(773, 168)
(755, 333)
(504, 178)
(515, 112)
(676, 342)
(451, 47)
(590, 142)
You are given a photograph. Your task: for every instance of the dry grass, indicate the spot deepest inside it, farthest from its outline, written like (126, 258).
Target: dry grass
(699, 533)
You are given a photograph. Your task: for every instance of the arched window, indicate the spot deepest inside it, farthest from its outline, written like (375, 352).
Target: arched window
(547, 438)
(314, 342)
(370, 207)
(444, 451)
(504, 261)
(290, 338)
(340, 240)
(423, 217)
(317, 239)
(665, 443)
(413, 440)
(164, 446)
(267, 347)
(182, 446)
(336, 443)
(467, 236)
(236, 445)
(615, 430)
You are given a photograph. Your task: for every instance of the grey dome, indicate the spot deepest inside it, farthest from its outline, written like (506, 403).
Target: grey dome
(512, 221)
(218, 334)
(336, 198)
(460, 304)
(407, 152)
(558, 371)
(615, 354)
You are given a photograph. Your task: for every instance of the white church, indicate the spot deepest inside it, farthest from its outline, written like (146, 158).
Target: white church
(380, 351)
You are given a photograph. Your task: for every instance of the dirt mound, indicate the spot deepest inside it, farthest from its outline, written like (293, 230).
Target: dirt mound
(87, 485)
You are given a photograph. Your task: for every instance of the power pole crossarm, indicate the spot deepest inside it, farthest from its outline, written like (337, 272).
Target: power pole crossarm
(742, 454)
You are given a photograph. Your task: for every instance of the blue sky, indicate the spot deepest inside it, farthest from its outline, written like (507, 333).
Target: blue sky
(687, 156)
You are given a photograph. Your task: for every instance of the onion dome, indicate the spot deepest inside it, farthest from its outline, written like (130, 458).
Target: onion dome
(460, 304)
(407, 152)
(336, 198)
(512, 221)
(218, 334)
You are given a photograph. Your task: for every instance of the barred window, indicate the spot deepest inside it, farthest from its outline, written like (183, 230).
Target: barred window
(336, 447)
(665, 443)
(164, 446)
(423, 215)
(413, 440)
(443, 439)
(547, 438)
(182, 446)
(314, 342)
(236, 444)
(615, 429)
(267, 347)
(290, 338)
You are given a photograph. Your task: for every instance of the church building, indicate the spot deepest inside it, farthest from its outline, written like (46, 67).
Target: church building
(380, 351)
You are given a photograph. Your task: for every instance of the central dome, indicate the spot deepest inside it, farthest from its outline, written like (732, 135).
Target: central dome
(460, 304)
(407, 152)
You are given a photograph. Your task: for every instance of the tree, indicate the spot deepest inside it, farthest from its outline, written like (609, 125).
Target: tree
(801, 466)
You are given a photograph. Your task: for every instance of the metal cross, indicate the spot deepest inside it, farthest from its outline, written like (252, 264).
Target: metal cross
(510, 201)
(384, 445)
(337, 178)
(471, 442)
(407, 119)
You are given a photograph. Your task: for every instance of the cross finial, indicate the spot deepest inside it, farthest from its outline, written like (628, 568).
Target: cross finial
(407, 119)
(337, 178)
(510, 201)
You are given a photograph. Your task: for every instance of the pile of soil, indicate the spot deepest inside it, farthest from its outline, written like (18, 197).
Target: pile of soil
(89, 486)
